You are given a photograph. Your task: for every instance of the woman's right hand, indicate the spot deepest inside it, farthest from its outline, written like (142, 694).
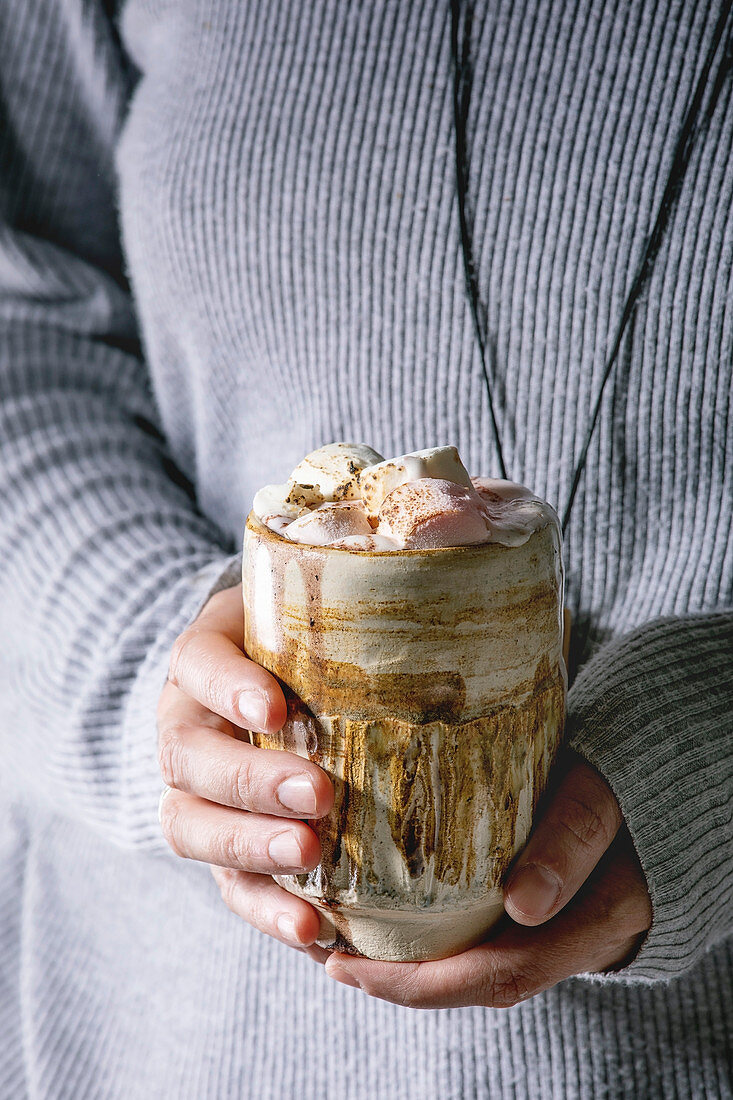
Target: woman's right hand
(226, 802)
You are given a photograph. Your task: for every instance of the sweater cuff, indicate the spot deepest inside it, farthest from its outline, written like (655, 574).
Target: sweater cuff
(653, 712)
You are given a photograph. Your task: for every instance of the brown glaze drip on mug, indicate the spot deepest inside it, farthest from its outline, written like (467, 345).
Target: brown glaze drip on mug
(419, 782)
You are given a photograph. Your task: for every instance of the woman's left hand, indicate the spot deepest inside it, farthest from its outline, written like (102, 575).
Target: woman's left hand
(578, 902)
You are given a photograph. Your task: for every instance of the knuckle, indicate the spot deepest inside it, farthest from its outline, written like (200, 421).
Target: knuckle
(406, 996)
(233, 849)
(260, 916)
(179, 652)
(507, 986)
(171, 756)
(406, 990)
(221, 694)
(243, 786)
(590, 825)
(164, 702)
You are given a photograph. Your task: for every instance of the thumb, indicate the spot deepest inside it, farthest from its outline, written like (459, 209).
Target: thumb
(576, 828)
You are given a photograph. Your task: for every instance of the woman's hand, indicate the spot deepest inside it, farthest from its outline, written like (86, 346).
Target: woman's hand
(228, 803)
(577, 897)
(580, 904)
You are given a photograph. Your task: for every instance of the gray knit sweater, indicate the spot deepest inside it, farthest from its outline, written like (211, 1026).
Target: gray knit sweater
(229, 234)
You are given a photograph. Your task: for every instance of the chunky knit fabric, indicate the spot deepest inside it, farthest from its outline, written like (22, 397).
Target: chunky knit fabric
(229, 234)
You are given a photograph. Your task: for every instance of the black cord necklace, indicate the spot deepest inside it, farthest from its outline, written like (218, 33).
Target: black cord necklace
(694, 120)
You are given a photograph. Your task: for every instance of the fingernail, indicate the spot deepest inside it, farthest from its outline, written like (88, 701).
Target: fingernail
(286, 927)
(298, 793)
(340, 975)
(284, 849)
(533, 891)
(253, 708)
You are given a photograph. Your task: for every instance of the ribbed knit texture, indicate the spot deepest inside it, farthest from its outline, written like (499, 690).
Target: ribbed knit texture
(228, 234)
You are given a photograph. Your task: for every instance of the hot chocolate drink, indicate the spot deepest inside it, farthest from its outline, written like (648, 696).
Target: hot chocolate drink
(413, 615)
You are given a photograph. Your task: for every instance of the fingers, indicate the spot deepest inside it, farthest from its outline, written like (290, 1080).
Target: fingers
(211, 776)
(596, 932)
(197, 829)
(272, 910)
(566, 843)
(197, 757)
(269, 908)
(317, 953)
(208, 664)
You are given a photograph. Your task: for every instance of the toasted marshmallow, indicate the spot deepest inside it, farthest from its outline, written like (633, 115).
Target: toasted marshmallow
(424, 499)
(335, 469)
(328, 522)
(432, 512)
(287, 501)
(436, 462)
(514, 511)
(277, 523)
(494, 489)
(373, 542)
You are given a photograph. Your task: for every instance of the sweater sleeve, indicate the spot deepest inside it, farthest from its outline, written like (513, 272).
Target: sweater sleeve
(653, 712)
(105, 557)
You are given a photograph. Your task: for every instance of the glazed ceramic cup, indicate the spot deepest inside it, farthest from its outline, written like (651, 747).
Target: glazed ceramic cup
(430, 685)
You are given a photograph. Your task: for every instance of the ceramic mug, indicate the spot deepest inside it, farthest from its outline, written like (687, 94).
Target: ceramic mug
(431, 686)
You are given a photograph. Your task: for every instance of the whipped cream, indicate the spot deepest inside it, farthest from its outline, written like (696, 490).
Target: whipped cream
(346, 496)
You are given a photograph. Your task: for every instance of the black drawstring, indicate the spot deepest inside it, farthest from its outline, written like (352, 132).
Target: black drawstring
(680, 160)
(461, 97)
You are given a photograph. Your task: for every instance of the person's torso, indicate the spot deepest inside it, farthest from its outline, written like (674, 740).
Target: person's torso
(290, 221)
